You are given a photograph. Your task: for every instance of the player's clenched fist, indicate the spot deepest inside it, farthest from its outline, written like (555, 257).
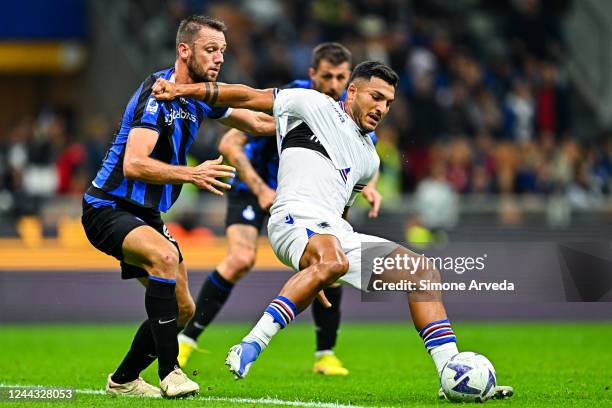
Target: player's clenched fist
(205, 175)
(164, 90)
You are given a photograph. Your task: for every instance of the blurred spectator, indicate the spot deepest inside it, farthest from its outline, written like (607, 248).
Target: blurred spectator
(436, 202)
(482, 107)
(520, 112)
(553, 113)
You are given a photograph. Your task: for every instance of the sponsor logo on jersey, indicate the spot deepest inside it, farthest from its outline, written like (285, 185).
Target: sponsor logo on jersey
(324, 224)
(179, 113)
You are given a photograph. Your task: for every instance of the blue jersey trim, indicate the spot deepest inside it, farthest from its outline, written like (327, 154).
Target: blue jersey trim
(98, 202)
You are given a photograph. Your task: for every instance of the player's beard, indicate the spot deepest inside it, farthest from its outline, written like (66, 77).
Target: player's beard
(317, 88)
(196, 72)
(357, 116)
(334, 95)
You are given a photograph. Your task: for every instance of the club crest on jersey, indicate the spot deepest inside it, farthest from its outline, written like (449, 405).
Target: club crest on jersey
(344, 173)
(248, 213)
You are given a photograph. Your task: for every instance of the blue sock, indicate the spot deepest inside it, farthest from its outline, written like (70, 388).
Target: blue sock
(282, 310)
(277, 315)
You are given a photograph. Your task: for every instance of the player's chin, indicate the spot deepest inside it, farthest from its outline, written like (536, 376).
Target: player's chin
(369, 124)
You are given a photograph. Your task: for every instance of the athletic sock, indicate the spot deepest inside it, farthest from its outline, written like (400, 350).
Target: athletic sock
(277, 315)
(162, 310)
(139, 357)
(327, 320)
(440, 342)
(321, 353)
(213, 295)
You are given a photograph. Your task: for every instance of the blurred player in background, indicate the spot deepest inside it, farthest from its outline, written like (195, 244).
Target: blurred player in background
(326, 159)
(256, 159)
(141, 175)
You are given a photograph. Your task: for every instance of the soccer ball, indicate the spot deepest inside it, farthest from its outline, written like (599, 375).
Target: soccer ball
(468, 377)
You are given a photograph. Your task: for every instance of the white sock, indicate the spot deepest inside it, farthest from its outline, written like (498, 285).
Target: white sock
(321, 353)
(186, 339)
(441, 354)
(263, 331)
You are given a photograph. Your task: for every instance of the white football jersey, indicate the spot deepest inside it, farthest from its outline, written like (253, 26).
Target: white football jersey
(325, 158)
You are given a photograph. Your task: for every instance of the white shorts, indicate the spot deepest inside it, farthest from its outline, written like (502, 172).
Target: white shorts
(289, 233)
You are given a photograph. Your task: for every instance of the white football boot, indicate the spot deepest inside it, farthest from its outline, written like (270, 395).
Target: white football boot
(136, 388)
(178, 385)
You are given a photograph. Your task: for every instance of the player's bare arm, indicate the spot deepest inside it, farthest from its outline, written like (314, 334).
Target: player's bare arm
(216, 94)
(372, 196)
(137, 164)
(248, 121)
(231, 146)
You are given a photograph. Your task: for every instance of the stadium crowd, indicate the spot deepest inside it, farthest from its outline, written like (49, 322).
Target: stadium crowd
(483, 108)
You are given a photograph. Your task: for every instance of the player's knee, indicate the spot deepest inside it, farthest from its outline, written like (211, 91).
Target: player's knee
(165, 262)
(332, 268)
(241, 263)
(430, 274)
(186, 312)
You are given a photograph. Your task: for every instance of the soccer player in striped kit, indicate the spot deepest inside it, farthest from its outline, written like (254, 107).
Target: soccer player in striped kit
(141, 176)
(325, 156)
(248, 203)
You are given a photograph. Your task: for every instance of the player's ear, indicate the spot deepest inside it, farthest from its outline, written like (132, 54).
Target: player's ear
(351, 91)
(311, 72)
(183, 51)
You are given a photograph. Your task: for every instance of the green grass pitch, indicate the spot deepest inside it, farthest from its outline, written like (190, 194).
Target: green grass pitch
(549, 364)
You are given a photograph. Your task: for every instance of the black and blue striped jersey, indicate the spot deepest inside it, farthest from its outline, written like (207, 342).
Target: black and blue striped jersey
(262, 152)
(177, 124)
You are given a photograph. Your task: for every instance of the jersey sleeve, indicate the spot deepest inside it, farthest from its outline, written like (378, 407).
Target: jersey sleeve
(219, 112)
(301, 103)
(148, 111)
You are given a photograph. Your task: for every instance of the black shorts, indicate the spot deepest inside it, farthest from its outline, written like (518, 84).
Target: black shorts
(243, 208)
(107, 224)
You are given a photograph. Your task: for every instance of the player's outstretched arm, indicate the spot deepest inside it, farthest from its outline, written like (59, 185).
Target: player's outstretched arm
(139, 166)
(231, 146)
(215, 94)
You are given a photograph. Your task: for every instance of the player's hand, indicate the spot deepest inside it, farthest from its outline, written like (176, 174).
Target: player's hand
(266, 197)
(164, 90)
(323, 300)
(374, 198)
(205, 175)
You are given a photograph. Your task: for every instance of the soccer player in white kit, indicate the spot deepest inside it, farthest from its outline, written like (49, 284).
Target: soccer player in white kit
(326, 158)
